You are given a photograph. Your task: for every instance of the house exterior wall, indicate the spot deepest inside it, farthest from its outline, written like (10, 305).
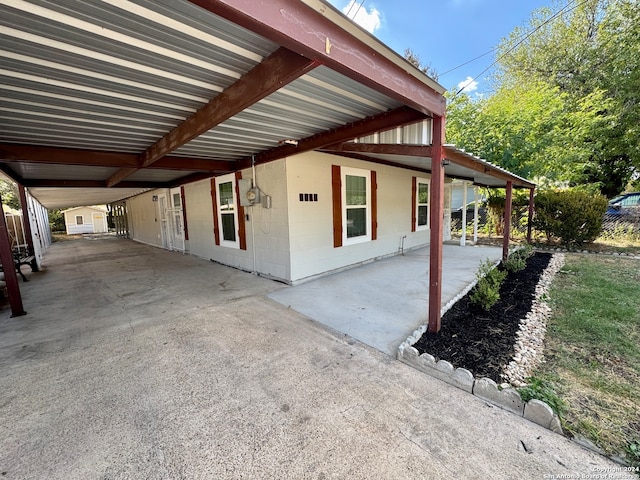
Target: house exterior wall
(311, 223)
(144, 224)
(293, 240)
(267, 230)
(89, 223)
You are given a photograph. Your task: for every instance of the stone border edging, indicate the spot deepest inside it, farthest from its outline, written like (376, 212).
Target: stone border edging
(535, 411)
(508, 398)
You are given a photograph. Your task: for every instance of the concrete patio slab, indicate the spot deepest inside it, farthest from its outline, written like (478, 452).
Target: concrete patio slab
(383, 302)
(137, 363)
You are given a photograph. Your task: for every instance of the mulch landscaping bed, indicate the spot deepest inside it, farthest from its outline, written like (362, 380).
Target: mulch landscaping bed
(483, 341)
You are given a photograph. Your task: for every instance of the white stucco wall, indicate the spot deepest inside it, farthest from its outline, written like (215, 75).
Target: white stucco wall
(311, 223)
(142, 214)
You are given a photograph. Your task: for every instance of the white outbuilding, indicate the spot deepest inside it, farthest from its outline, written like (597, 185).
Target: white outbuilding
(86, 220)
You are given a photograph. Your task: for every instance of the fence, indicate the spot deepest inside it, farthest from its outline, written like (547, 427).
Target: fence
(616, 228)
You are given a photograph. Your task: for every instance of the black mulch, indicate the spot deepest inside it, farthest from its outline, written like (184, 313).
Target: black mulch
(483, 341)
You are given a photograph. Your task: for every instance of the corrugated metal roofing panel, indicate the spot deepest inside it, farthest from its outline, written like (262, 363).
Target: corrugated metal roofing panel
(60, 172)
(316, 102)
(155, 175)
(142, 65)
(69, 197)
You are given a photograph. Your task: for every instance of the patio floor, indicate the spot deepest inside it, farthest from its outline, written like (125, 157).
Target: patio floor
(382, 303)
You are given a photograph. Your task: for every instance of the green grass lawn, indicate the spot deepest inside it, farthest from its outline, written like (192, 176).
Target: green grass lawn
(592, 351)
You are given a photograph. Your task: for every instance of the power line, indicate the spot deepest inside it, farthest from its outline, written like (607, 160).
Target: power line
(565, 9)
(357, 10)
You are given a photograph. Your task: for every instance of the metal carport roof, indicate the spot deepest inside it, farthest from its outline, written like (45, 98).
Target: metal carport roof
(102, 99)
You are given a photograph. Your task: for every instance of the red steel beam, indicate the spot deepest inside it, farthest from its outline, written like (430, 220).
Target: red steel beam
(10, 275)
(12, 152)
(278, 69)
(376, 123)
(300, 28)
(436, 214)
(507, 221)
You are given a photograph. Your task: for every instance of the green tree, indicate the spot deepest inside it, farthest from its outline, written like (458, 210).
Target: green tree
(533, 130)
(9, 193)
(591, 51)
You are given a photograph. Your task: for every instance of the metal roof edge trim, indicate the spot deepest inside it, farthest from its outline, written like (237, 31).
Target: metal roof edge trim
(344, 22)
(481, 161)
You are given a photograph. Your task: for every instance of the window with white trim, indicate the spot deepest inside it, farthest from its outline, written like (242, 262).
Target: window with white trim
(422, 204)
(227, 210)
(356, 205)
(79, 220)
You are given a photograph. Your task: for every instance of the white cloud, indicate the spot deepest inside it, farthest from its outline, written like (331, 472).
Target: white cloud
(369, 19)
(468, 85)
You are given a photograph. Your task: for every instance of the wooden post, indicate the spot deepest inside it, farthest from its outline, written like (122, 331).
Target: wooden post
(26, 223)
(530, 218)
(507, 221)
(10, 275)
(436, 211)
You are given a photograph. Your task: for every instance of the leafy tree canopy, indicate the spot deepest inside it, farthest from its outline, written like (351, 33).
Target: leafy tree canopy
(566, 99)
(9, 194)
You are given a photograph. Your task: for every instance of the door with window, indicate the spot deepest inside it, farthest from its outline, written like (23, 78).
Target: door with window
(175, 217)
(163, 217)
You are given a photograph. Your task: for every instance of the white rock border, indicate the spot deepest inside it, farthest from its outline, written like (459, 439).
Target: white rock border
(508, 398)
(529, 345)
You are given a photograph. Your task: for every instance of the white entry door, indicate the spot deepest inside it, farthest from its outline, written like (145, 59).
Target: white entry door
(164, 221)
(175, 220)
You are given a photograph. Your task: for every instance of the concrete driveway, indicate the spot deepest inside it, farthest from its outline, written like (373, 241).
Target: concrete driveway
(139, 363)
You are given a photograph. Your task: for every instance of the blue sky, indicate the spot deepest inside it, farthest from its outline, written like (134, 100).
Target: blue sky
(445, 33)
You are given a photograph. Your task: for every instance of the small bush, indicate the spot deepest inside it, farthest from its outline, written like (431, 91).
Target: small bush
(573, 217)
(518, 260)
(487, 291)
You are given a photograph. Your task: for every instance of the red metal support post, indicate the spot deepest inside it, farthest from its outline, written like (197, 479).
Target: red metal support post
(10, 275)
(436, 210)
(530, 217)
(507, 220)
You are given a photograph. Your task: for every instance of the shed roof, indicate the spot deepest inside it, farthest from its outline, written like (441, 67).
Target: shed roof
(97, 208)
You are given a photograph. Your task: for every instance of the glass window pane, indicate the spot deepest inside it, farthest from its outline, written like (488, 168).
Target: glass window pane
(356, 222)
(176, 200)
(226, 196)
(228, 227)
(356, 190)
(422, 215)
(423, 193)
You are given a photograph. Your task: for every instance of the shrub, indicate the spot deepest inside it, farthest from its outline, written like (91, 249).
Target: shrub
(487, 291)
(518, 259)
(573, 217)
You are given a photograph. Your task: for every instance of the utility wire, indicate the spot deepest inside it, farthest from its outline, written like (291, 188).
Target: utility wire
(565, 9)
(357, 10)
